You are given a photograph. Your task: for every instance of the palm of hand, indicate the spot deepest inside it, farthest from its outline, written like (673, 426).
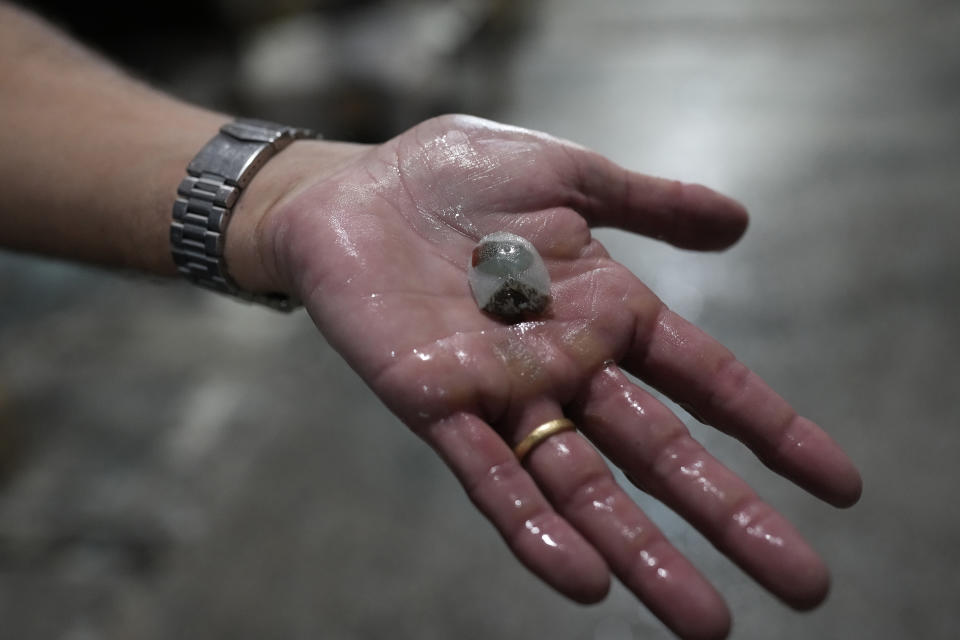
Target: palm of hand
(394, 296)
(382, 271)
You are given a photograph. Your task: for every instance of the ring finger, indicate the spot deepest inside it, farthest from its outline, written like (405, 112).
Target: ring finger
(580, 486)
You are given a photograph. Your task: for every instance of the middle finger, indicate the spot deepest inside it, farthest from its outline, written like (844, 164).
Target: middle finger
(654, 448)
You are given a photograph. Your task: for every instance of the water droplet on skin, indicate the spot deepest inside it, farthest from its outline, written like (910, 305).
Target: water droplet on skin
(508, 278)
(602, 506)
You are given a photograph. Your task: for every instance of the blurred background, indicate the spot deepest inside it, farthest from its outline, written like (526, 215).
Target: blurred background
(177, 465)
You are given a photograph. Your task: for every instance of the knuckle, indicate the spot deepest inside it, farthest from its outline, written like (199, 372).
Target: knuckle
(746, 517)
(494, 481)
(676, 457)
(534, 524)
(729, 383)
(593, 487)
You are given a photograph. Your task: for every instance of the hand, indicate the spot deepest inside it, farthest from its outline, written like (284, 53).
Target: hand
(378, 252)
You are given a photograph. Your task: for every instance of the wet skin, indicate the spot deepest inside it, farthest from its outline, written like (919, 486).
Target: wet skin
(378, 251)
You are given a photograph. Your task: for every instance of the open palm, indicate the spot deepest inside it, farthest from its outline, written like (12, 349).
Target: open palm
(379, 254)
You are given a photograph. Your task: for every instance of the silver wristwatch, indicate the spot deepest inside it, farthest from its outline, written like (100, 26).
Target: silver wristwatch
(205, 199)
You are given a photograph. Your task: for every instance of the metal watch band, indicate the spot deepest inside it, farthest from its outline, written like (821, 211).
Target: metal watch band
(205, 199)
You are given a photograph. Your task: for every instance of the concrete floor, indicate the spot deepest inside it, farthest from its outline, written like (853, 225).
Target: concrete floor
(180, 466)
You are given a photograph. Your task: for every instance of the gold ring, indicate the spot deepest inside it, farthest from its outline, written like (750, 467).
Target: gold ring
(540, 434)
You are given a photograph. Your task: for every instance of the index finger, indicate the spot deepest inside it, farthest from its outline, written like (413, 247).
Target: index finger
(699, 373)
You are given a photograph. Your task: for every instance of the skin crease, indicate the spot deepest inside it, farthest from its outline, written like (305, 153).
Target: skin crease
(378, 253)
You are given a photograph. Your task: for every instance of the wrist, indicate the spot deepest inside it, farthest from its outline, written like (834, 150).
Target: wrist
(254, 250)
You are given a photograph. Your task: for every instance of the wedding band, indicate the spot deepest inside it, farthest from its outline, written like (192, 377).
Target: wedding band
(540, 434)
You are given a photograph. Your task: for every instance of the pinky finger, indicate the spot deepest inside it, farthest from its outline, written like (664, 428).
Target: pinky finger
(506, 494)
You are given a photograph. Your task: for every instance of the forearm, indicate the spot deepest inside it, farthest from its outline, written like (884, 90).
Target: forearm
(91, 159)
(89, 154)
